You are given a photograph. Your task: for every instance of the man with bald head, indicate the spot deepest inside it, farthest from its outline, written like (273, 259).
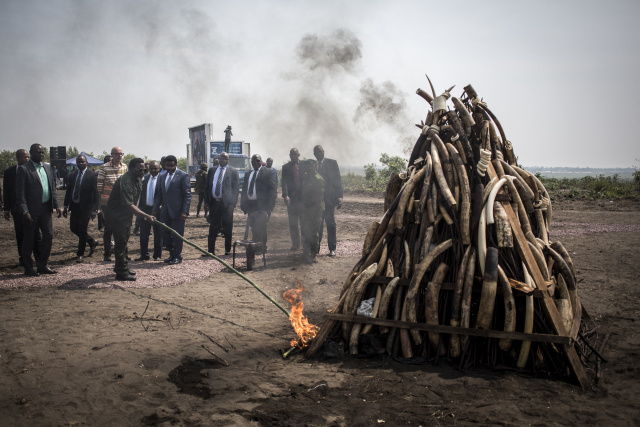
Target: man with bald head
(36, 197)
(11, 208)
(107, 176)
(83, 201)
(292, 195)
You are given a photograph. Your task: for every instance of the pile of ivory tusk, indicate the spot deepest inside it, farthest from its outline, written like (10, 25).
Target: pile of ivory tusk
(446, 252)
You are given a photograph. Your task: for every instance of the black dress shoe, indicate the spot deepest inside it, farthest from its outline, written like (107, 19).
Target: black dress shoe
(46, 270)
(168, 260)
(107, 258)
(31, 272)
(131, 272)
(143, 258)
(92, 247)
(157, 258)
(227, 253)
(175, 261)
(125, 277)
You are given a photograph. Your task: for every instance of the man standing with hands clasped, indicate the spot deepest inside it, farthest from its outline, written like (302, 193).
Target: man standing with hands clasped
(83, 201)
(174, 196)
(36, 197)
(329, 170)
(223, 186)
(259, 194)
(149, 186)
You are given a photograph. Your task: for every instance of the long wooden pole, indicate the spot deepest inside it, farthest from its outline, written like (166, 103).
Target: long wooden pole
(284, 310)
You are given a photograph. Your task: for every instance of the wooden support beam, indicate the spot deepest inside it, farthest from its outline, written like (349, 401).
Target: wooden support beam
(485, 333)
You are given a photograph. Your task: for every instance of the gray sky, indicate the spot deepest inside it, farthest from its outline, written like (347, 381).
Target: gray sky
(559, 75)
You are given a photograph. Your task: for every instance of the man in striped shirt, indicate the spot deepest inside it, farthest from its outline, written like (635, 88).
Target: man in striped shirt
(107, 176)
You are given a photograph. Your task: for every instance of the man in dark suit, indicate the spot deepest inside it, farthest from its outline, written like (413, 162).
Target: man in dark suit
(222, 196)
(11, 207)
(292, 195)
(258, 197)
(329, 170)
(174, 196)
(36, 197)
(149, 188)
(83, 200)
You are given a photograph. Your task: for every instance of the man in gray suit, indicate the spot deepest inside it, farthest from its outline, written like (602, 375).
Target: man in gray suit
(223, 186)
(174, 197)
(36, 197)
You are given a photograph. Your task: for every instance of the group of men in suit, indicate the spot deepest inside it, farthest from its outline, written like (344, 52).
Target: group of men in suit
(165, 192)
(300, 205)
(257, 199)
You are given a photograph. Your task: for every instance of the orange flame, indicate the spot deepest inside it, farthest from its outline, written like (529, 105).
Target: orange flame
(305, 330)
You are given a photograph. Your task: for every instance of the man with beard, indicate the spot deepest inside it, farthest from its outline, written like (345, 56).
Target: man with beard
(11, 207)
(121, 206)
(36, 197)
(174, 196)
(83, 201)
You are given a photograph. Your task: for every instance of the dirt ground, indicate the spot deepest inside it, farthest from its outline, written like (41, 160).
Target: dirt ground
(99, 352)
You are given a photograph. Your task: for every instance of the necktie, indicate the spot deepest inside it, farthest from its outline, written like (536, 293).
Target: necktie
(150, 187)
(169, 181)
(219, 183)
(253, 182)
(76, 188)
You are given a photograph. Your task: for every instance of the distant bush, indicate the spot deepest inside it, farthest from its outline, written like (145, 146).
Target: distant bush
(375, 178)
(589, 187)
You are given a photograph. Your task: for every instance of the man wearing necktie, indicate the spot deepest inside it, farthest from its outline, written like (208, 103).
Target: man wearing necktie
(37, 199)
(292, 195)
(83, 201)
(174, 197)
(222, 196)
(259, 194)
(149, 187)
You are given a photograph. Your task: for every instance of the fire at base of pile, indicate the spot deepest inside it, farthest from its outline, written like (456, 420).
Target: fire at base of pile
(461, 265)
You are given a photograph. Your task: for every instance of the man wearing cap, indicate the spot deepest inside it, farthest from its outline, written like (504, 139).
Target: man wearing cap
(120, 208)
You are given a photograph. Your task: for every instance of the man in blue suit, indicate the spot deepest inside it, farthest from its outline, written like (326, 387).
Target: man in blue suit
(36, 197)
(223, 186)
(172, 199)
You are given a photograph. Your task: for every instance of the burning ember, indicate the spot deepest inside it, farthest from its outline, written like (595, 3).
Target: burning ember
(305, 330)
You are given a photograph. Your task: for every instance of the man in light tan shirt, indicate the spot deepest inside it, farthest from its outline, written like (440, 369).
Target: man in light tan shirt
(107, 176)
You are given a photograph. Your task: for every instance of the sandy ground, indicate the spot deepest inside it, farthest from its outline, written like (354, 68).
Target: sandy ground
(99, 352)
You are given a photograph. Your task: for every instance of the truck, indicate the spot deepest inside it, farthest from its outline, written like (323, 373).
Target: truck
(203, 149)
